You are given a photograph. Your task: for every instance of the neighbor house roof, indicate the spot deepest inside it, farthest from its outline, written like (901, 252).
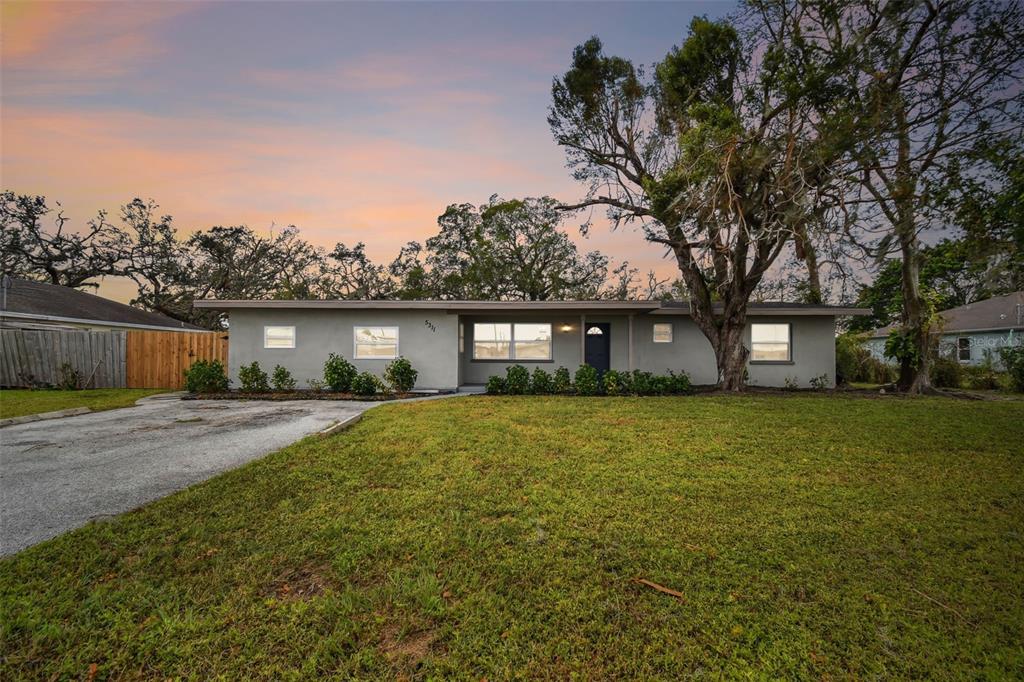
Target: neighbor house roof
(655, 307)
(36, 301)
(993, 314)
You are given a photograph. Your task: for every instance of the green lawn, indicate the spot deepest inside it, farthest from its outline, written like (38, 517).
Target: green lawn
(810, 536)
(19, 402)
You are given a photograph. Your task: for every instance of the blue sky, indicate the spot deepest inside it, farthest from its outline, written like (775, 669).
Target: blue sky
(353, 121)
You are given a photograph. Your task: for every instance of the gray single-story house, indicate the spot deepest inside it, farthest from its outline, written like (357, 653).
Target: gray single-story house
(973, 332)
(457, 344)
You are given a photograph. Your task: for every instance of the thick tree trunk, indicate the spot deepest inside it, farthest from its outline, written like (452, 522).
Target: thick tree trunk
(731, 356)
(914, 377)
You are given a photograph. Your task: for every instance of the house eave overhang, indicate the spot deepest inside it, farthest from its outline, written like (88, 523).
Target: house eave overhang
(493, 307)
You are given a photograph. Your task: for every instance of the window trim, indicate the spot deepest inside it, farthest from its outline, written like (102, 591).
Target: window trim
(295, 336)
(512, 345)
(789, 345)
(355, 343)
(960, 349)
(671, 332)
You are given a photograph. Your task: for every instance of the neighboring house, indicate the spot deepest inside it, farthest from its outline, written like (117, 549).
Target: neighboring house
(34, 305)
(972, 332)
(462, 343)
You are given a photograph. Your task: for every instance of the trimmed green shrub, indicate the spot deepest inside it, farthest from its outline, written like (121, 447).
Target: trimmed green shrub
(253, 378)
(679, 384)
(282, 379)
(540, 382)
(560, 382)
(495, 384)
(366, 383)
(642, 383)
(339, 373)
(400, 374)
(946, 372)
(206, 376)
(614, 383)
(1013, 360)
(585, 381)
(517, 380)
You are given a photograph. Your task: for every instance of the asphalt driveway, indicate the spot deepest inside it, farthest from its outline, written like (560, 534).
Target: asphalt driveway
(59, 474)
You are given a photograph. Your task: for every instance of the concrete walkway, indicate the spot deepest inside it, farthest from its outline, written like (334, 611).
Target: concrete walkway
(59, 474)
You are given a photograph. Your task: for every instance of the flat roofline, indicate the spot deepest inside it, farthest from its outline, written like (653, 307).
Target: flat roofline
(654, 307)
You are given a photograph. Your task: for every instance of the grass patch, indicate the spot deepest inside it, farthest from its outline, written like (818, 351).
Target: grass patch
(19, 402)
(809, 536)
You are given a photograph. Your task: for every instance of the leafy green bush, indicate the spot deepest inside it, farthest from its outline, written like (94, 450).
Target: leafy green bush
(282, 379)
(984, 376)
(253, 378)
(206, 376)
(585, 381)
(1013, 360)
(517, 380)
(540, 382)
(644, 383)
(495, 384)
(679, 384)
(614, 383)
(820, 382)
(366, 383)
(400, 374)
(946, 372)
(855, 363)
(560, 382)
(339, 373)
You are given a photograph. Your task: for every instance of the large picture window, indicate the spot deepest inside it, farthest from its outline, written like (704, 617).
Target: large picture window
(507, 341)
(375, 343)
(279, 337)
(770, 343)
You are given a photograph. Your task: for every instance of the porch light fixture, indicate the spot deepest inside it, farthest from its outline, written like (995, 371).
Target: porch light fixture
(566, 327)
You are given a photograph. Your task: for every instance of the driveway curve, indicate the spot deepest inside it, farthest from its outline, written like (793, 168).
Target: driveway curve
(59, 474)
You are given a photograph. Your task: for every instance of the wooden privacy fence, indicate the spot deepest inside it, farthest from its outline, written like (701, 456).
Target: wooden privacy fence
(105, 359)
(159, 359)
(33, 357)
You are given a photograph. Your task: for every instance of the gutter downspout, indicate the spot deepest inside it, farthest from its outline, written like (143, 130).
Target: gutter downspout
(630, 342)
(583, 338)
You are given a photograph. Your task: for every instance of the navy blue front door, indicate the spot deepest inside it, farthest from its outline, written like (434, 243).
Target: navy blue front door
(597, 346)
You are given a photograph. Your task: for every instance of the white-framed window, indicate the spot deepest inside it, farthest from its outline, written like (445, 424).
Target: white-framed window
(511, 341)
(375, 343)
(770, 343)
(278, 337)
(963, 348)
(663, 332)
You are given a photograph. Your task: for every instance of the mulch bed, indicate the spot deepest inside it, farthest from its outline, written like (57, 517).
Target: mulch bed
(303, 395)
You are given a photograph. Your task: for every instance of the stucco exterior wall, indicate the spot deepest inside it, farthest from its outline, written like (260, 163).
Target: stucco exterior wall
(428, 338)
(982, 343)
(812, 339)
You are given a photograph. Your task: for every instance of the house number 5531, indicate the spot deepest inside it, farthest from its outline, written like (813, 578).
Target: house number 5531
(428, 323)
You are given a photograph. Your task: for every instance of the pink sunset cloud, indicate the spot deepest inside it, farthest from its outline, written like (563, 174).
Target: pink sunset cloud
(202, 109)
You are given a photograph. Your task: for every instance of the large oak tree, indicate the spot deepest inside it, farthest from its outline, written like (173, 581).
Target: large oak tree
(721, 156)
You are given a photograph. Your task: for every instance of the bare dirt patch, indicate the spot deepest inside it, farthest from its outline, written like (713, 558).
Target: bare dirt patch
(303, 582)
(409, 650)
